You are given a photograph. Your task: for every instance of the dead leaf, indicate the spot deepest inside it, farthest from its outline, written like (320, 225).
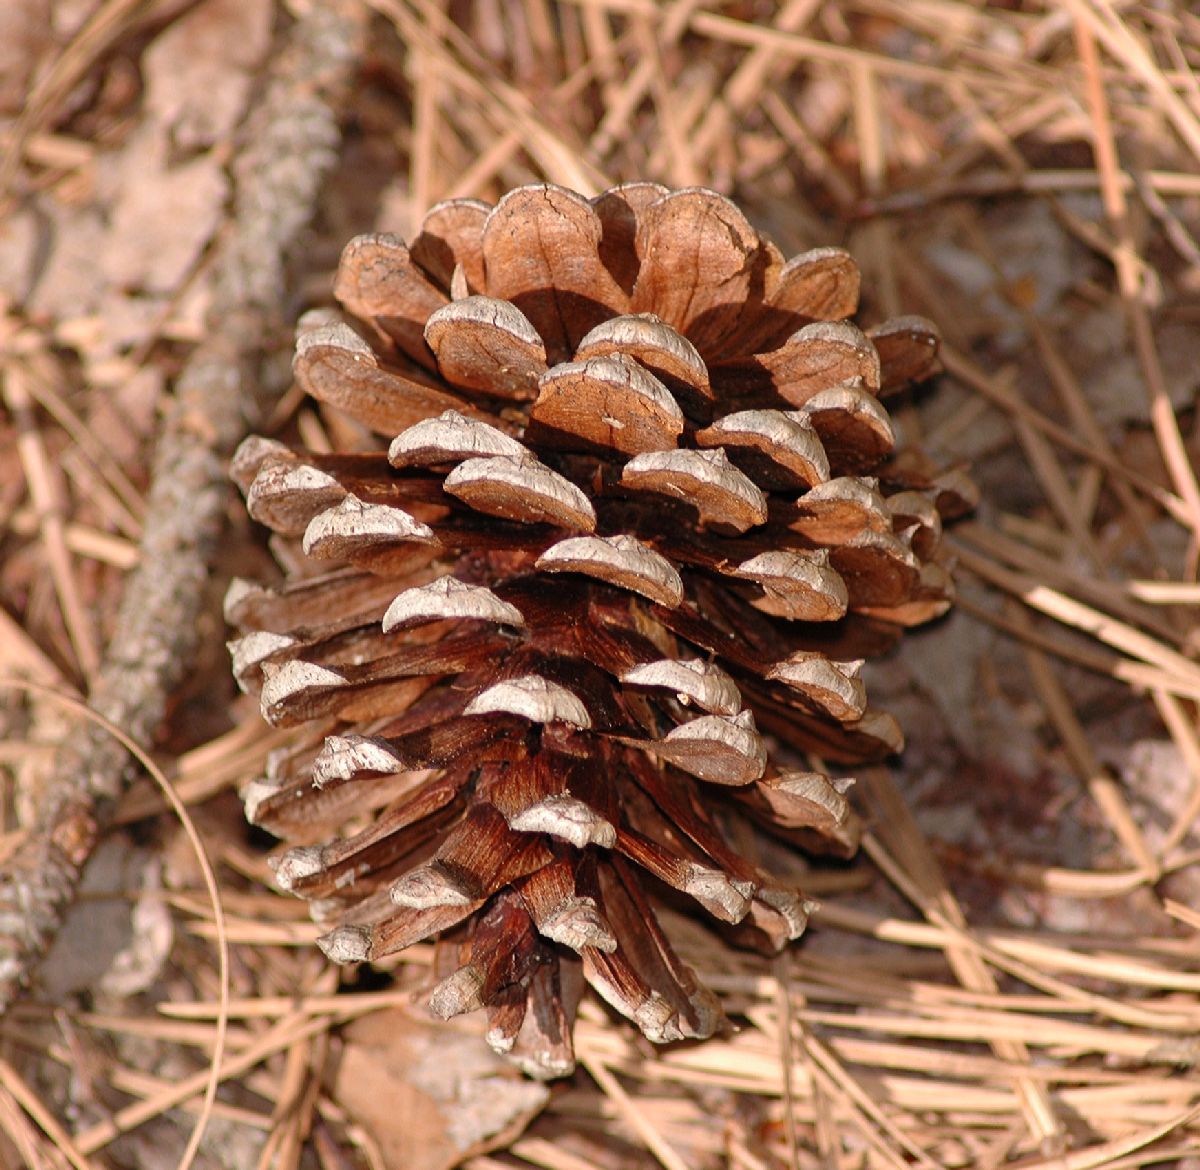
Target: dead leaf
(431, 1094)
(199, 70)
(25, 35)
(164, 215)
(67, 282)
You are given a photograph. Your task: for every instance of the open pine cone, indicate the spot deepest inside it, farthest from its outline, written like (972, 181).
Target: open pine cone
(639, 507)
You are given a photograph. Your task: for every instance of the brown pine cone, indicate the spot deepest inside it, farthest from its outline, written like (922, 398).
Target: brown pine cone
(638, 509)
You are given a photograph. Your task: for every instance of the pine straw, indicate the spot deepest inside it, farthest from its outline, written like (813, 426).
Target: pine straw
(903, 1033)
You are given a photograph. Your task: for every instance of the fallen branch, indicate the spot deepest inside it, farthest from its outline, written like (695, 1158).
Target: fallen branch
(291, 143)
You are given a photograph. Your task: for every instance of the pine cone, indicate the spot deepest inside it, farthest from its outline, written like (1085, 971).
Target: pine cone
(638, 508)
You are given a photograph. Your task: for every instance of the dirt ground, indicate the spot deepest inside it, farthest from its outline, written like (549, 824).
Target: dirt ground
(1008, 973)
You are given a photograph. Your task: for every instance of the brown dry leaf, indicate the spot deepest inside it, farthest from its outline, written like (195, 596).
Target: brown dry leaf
(20, 235)
(156, 212)
(25, 35)
(199, 71)
(51, 266)
(431, 1094)
(164, 215)
(126, 414)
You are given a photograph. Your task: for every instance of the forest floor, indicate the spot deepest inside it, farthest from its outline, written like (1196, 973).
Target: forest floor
(1008, 974)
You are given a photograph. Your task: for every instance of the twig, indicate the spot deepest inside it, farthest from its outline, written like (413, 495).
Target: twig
(291, 145)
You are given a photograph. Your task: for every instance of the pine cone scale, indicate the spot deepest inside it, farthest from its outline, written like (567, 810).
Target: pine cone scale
(378, 281)
(541, 252)
(335, 366)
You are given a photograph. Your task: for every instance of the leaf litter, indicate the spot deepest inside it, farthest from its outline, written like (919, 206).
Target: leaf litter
(1009, 973)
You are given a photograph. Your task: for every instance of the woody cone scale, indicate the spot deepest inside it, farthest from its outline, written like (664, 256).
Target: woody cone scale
(593, 608)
